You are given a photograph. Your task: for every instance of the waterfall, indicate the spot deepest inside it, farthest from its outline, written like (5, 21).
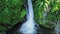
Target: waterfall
(45, 14)
(57, 28)
(29, 26)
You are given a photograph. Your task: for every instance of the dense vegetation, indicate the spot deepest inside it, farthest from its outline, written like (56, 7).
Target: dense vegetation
(46, 12)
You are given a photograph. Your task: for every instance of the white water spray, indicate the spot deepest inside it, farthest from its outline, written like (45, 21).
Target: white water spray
(57, 28)
(29, 26)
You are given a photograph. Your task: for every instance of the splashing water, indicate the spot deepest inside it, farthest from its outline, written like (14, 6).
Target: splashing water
(29, 26)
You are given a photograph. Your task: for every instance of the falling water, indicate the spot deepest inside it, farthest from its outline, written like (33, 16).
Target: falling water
(57, 28)
(45, 14)
(29, 26)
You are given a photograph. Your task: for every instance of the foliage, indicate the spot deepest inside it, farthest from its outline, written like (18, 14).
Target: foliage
(11, 12)
(47, 12)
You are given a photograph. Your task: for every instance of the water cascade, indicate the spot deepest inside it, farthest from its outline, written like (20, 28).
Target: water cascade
(45, 13)
(57, 28)
(29, 26)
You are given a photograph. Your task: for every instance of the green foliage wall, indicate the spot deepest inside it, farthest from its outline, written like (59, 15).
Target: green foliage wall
(11, 12)
(47, 12)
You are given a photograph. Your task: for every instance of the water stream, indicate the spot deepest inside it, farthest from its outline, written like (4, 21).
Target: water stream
(29, 26)
(57, 28)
